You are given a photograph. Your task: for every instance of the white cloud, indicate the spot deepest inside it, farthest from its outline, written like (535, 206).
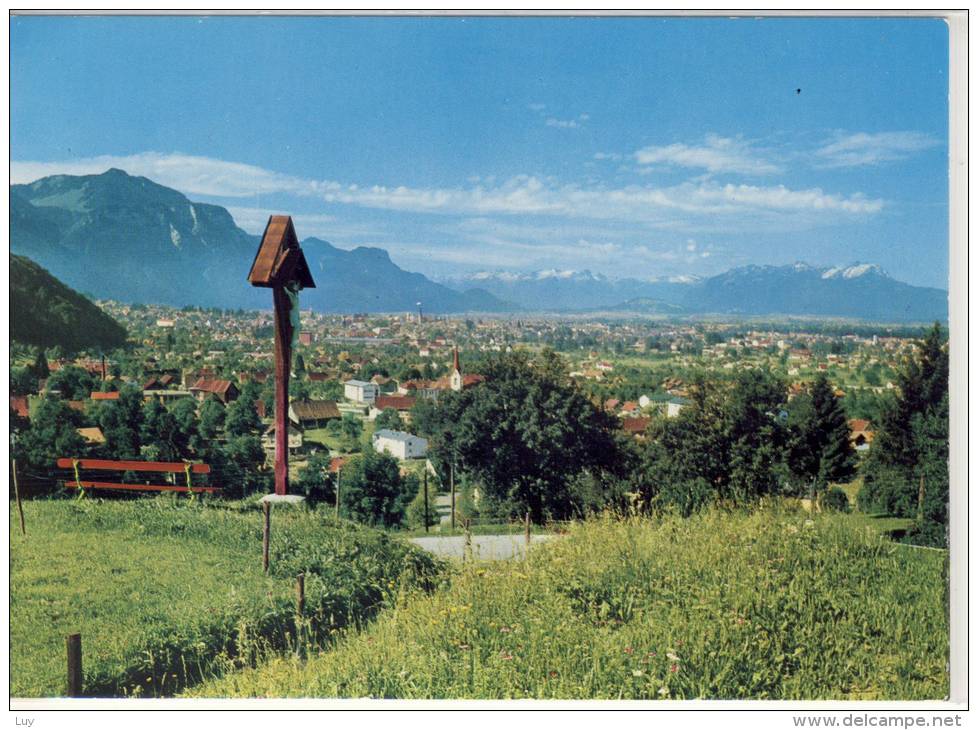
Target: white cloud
(568, 123)
(562, 123)
(685, 205)
(190, 174)
(254, 220)
(718, 154)
(537, 107)
(860, 149)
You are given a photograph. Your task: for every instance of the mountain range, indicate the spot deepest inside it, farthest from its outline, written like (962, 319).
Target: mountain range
(117, 236)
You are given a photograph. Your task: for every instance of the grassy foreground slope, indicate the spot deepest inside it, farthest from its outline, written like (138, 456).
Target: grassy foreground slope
(767, 605)
(166, 593)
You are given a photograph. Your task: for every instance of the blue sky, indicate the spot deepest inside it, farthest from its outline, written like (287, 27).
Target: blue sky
(632, 147)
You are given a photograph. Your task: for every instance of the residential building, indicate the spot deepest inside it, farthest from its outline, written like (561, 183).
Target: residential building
(360, 391)
(224, 390)
(313, 413)
(400, 444)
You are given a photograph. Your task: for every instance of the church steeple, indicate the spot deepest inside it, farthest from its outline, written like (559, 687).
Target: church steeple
(456, 379)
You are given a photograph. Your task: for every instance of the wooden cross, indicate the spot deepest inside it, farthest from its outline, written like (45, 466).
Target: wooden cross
(278, 264)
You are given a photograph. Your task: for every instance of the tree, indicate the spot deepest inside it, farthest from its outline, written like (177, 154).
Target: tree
(352, 429)
(121, 421)
(160, 433)
(727, 444)
(211, 421)
(416, 510)
(299, 389)
(22, 381)
(373, 490)
(74, 383)
(523, 434)
(241, 417)
(909, 453)
(52, 434)
(819, 450)
(246, 458)
(185, 415)
(389, 418)
(40, 368)
(315, 480)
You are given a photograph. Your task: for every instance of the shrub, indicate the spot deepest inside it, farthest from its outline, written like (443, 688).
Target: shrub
(416, 510)
(835, 499)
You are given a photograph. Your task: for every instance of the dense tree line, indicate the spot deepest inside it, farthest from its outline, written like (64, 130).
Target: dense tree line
(907, 470)
(529, 439)
(227, 438)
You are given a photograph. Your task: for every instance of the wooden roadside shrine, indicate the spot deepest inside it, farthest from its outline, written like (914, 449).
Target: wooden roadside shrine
(281, 266)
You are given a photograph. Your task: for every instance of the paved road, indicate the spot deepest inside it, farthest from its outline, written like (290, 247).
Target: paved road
(484, 547)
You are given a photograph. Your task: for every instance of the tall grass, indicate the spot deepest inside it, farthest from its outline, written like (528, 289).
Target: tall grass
(166, 593)
(771, 605)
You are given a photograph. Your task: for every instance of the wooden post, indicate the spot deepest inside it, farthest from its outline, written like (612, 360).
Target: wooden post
(300, 595)
(20, 507)
(467, 554)
(73, 643)
(266, 534)
(426, 520)
(526, 528)
(920, 500)
(451, 486)
(283, 364)
(338, 470)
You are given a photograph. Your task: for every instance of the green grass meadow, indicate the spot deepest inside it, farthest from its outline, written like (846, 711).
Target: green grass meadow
(166, 593)
(769, 605)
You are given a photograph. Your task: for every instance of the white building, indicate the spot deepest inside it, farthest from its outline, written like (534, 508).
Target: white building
(360, 391)
(399, 444)
(674, 406)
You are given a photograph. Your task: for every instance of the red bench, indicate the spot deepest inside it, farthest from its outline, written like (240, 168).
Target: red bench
(166, 467)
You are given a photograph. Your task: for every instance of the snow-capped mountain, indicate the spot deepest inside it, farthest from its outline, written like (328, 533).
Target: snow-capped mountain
(860, 290)
(555, 289)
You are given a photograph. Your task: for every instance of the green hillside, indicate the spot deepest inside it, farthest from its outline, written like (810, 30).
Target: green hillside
(46, 313)
(772, 605)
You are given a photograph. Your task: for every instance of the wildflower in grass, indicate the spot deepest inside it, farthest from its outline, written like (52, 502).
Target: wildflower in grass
(674, 668)
(464, 647)
(505, 655)
(664, 692)
(629, 650)
(637, 672)
(553, 675)
(671, 656)
(504, 629)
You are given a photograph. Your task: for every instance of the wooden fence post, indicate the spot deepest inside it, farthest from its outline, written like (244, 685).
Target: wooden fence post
(467, 552)
(526, 528)
(73, 643)
(266, 534)
(338, 470)
(20, 507)
(426, 519)
(300, 595)
(451, 484)
(920, 500)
